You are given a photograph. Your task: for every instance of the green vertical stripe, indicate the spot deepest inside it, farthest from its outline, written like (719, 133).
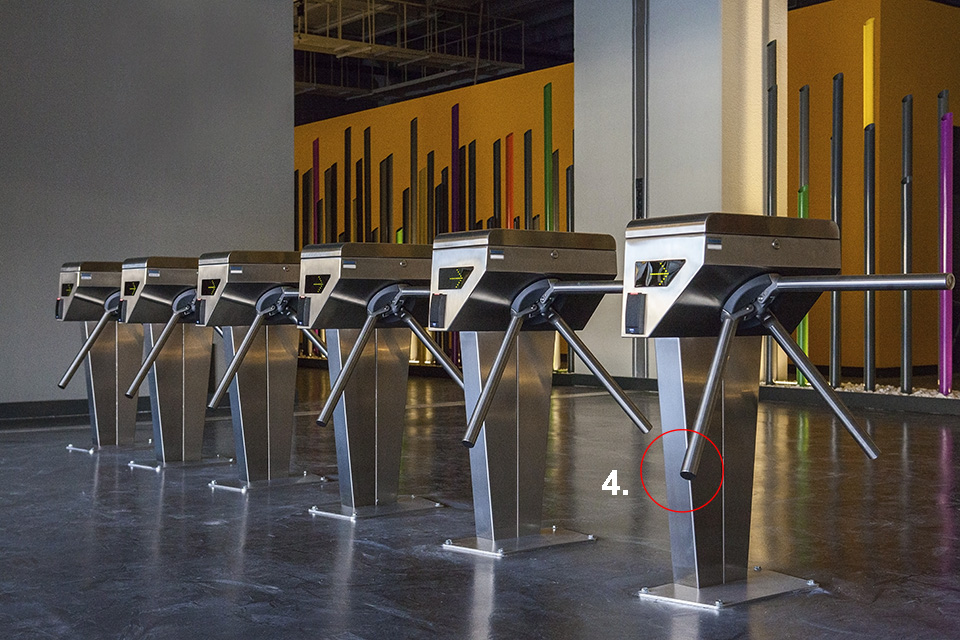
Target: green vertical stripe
(549, 222)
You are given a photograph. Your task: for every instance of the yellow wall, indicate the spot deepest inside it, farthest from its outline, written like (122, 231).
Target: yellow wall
(488, 112)
(915, 41)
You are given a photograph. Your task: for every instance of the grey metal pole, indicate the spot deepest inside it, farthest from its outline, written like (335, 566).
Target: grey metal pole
(433, 347)
(836, 210)
(353, 358)
(870, 256)
(587, 287)
(893, 282)
(818, 382)
(906, 250)
(711, 391)
(479, 412)
(237, 360)
(155, 352)
(85, 349)
(771, 156)
(580, 348)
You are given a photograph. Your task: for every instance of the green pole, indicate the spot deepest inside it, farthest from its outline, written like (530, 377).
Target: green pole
(549, 222)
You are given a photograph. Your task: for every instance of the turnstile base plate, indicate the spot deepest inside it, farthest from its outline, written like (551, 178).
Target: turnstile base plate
(239, 486)
(548, 537)
(757, 586)
(403, 505)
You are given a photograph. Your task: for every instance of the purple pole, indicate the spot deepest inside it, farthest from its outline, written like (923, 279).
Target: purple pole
(946, 251)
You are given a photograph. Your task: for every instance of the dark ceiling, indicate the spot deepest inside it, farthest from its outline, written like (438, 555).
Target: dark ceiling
(544, 40)
(332, 84)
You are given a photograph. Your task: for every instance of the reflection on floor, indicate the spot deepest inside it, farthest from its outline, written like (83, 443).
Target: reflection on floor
(90, 548)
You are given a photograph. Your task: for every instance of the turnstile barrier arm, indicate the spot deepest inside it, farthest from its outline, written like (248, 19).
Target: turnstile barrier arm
(155, 352)
(816, 379)
(111, 307)
(353, 358)
(479, 413)
(315, 341)
(711, 391)
(599, 372)
(237, 360)
(428, 342)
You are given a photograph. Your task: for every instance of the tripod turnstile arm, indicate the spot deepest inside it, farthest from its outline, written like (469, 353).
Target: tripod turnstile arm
(353, 358)
(155, 351)
(315, 341)
(438, 353)
(479, 413)
(237, 360)
(598, 370)
(711, 391)
(110, 311)
(782, 336)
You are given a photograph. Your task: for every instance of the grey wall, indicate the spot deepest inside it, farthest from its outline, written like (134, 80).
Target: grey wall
(130, 129)
(604, 150)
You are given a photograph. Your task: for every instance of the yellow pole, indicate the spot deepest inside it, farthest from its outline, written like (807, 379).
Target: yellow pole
(868, 75)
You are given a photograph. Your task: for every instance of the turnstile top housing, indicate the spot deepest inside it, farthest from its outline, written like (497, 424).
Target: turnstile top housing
(85, 287)
(680, 270)
(338, 280)
(477, 274)
(229, 284)
(150, 285)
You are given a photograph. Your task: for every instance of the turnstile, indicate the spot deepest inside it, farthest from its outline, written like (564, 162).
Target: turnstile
(365, 296)
(160, 293)
(706, 287)
(497, 287)
(90, 294)
(243, 293)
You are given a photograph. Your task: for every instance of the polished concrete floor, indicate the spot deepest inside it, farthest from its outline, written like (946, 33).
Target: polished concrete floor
(92, 549)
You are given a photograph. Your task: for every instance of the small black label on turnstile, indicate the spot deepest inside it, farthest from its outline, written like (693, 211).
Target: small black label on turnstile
(66, 289)
(59, 309)
(303, 310)
(438, 309)
(634, 313)
(200, 309)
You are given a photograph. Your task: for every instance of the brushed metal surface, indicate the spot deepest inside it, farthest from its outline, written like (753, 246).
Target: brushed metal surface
(508, 463)
(261, 400)
(356, 271)
(110, 363)
(243, 277)
(505, 261)
(369, 418)
(178, 383)
(722, 252)
(709, 546)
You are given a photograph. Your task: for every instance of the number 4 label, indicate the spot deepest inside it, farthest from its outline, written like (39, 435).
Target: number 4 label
(610, 484)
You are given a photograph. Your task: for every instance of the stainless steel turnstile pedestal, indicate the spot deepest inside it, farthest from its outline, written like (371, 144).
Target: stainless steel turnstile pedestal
(368, 425)
(262, 397)
(508, 462)
(709, 545)
(112, 361)
(178, 383)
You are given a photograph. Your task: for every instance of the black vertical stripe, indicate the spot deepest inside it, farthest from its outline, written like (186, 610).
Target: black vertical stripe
(528, 179)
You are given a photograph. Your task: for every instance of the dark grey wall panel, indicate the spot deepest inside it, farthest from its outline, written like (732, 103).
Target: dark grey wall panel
(130, 129)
